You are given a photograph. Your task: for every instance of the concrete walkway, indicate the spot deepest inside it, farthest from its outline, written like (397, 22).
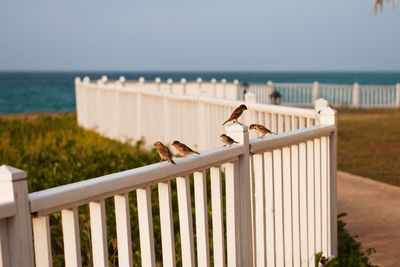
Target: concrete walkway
(373, 214)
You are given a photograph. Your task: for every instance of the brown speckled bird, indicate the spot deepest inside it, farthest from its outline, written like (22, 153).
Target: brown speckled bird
(183, 149)
(328, 106)
(164, 152)
(227, 140)
(261, 130)
(236, 114)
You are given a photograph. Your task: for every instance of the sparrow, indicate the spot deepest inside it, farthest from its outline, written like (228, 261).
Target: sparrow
(261, 130)
(183, 149)
(164, 152)
(227, 140)
(328, 106)
(236, 113)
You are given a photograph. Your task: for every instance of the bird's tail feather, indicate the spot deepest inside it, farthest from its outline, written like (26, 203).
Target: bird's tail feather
(172, 161)
(225, 122)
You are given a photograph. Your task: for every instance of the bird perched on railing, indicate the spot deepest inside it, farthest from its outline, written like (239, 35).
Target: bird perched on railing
(261, 130)
(236, 114)
(228, 141)
(183, 149)
(164, 152)
(328, 106)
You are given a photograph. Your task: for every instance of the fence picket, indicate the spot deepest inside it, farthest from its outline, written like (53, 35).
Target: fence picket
(98, 233)
(287, 205)
(200, 194)
(278, 205)
(167, 224)
(217, 217)
(71, 237)
(310, 202)
(260, 249)
(41, 234)
(232, 207)
(145, 226)
(122, 219)
(185, 220)
(295, 204)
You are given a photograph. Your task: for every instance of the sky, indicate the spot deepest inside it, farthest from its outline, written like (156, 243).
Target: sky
(198, 35)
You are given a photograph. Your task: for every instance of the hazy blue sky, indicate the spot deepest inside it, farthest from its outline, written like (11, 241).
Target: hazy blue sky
(195, 35)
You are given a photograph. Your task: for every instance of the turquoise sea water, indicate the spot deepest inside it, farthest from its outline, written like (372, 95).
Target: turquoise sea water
(54, 91)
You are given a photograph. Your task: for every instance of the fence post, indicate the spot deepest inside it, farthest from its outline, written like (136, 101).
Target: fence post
(320, 104)
(104, 79)
(14, 187)
(86, 80)
(183, 82)
(238, 91)
(398, 95)
(158, 82)
(240, 133)
(122, 81)
(223, 82)
(141, 80)
(356, 94)
(328, 117)
(199, 81)
(214, 83)
(170, 84)
(315, 91)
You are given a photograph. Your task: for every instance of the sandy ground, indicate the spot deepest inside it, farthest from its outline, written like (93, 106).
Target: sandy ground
(373, 215)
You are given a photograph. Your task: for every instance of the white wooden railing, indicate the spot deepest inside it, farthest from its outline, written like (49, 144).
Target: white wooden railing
(280, 208)
(347, 95)
(129, 112)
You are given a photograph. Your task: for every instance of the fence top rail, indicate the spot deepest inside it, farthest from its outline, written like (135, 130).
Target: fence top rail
(79, 193)
(378, 86)
(7, 209)
(285, 110)
(290, 138)
(293, 85)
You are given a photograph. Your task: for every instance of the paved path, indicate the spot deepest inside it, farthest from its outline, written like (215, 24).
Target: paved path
(373, 214)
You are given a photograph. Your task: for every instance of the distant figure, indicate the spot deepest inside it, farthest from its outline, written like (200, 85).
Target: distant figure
(183, 149)
(261, 130)
(227, 141)
(164, 152)
(236, 114)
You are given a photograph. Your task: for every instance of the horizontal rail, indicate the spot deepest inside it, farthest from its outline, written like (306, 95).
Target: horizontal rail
(284, 110)
(7, 209)
(289, 138)
(71, 195)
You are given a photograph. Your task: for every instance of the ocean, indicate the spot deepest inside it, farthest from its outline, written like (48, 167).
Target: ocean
(22, 92)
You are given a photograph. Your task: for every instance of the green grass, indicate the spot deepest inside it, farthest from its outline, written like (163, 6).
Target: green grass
(369, 144)
(55, 151)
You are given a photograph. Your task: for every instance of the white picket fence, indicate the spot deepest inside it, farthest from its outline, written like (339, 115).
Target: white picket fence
(352, 96)
(130, 111)
(280, 191)
(280, 208)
